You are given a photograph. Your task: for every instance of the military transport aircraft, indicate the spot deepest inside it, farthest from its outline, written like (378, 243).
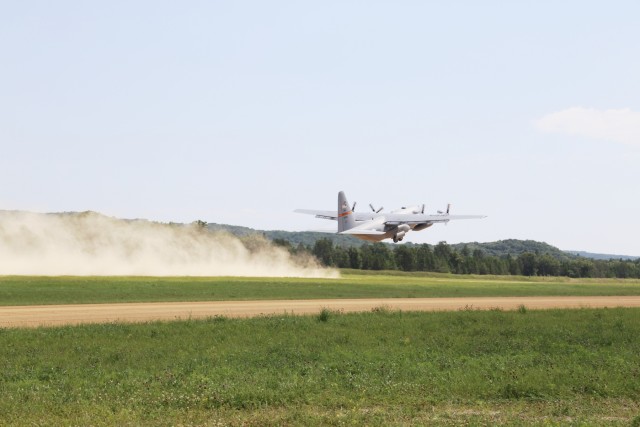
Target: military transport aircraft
(376, 226)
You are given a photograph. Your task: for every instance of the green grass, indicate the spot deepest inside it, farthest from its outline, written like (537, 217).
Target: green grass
(25, 290)
(578, 367)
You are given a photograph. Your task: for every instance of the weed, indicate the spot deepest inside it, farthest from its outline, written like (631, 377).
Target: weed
(324, 315)
(382, 309)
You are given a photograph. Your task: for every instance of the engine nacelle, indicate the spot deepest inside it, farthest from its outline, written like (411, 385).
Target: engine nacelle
(403, 228)
(422, 226)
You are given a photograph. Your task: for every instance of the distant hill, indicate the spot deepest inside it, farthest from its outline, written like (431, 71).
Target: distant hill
(515, 247)
(307, 238)
(511, 247)
(601, 256)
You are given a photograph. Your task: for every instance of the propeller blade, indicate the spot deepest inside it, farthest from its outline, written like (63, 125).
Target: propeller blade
(354, 207)
(374, 209)
(422, 210)
(448, 207)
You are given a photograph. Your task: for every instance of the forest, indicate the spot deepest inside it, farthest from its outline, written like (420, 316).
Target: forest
(445, 258)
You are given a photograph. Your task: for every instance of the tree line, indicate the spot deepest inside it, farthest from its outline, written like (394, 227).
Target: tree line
(444, 258)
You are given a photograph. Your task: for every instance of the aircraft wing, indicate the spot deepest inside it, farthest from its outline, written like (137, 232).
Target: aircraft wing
(396, 219)
(362, 231)
(358, 216)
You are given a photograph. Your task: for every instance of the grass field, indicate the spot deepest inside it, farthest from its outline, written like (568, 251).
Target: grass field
(579, 367)
(24, 290)
(553, 367)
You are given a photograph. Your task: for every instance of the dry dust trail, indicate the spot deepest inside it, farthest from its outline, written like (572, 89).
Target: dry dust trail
(51, 315)
(91, 244)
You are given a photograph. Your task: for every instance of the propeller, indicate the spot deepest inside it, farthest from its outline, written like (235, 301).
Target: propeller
(422, 210)
(354, 207)
(374, 209)
(447, 212)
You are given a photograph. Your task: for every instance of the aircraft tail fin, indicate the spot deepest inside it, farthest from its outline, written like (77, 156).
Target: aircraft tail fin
(346, 220)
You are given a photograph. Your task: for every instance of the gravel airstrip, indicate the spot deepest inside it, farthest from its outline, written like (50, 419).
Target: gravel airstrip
(54, 315)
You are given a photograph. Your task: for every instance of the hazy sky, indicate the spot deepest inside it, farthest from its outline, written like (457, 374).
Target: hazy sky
(240, 112)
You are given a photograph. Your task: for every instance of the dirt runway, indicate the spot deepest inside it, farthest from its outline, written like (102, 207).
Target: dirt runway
(51, 315)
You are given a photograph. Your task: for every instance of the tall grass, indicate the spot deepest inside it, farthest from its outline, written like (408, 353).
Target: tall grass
(376, 368)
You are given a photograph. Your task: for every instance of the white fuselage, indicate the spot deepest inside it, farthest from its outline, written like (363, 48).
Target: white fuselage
(375, 226)
(377, 223)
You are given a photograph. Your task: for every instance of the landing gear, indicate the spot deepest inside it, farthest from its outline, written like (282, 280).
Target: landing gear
(400, 231)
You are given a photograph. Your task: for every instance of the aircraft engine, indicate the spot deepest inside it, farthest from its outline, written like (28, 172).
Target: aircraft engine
(402, 230)
(422, 226)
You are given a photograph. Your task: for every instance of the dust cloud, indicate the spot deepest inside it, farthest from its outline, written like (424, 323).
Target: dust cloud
(89, 243)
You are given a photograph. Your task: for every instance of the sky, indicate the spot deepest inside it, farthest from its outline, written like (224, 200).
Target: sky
(240, 112)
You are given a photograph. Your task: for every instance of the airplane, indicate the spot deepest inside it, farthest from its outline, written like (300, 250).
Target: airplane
(376, 226)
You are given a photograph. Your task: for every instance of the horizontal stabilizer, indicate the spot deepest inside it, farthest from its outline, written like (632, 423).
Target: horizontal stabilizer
(319, 214)
(359, 216)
